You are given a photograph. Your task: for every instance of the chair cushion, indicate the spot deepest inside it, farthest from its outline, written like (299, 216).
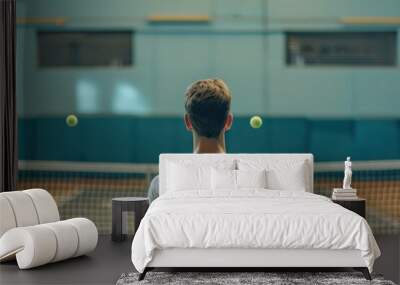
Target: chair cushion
(87, 233)
(23, 208)
(46, 207)
(7, 220)
(67, 240)
(33, 246)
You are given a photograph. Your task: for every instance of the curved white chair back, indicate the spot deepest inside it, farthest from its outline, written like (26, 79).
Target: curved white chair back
(26, 208)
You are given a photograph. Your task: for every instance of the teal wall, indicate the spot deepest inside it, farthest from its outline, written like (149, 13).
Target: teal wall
(140, 139)
(244, 44)
(332, 111)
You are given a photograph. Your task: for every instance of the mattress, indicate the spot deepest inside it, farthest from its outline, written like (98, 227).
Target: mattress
(250, 219)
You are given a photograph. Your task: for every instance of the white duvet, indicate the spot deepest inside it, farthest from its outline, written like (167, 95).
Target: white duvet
(250, 219)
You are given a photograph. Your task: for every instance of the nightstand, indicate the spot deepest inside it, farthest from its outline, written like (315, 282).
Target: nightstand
(120, 208)
(356, 205)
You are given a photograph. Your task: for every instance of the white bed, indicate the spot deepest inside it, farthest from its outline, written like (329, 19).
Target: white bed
(281, 224)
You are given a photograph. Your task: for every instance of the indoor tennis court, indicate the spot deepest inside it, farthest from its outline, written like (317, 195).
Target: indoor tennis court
(95, 92)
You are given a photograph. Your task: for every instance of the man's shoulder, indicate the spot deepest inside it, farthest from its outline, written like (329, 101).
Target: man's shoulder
(155, 178)
(154, 182)
(152, 193)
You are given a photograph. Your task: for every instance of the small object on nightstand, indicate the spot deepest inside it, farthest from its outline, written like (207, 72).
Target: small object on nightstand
(348, 173)
(345, 193)
(355, 205)
(120, 207)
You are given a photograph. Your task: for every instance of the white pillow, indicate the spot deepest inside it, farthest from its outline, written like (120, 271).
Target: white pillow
(281, 174)
(251, 178)
(236, 179)
(223, 179)
(182, 177)
(186, 174)
(293, 180)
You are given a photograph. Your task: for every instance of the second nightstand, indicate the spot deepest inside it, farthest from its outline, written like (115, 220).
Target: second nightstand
(356, 205)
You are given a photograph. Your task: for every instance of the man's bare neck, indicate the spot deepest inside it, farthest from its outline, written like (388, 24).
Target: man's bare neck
(209, 145)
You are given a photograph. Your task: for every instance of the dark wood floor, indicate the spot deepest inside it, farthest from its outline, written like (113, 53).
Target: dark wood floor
(103, 266)
(110, 260)
(389, 262)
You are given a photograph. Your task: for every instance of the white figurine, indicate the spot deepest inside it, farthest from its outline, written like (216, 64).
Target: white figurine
(347, 174)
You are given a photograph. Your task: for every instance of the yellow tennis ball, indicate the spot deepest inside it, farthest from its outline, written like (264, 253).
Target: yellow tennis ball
(71, 120)
(256, 122)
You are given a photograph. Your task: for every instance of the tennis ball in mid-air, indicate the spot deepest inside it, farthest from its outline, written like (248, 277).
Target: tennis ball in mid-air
(71, 120)
(256, 122)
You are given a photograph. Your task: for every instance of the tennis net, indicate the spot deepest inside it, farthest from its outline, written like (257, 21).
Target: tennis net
(86, 189)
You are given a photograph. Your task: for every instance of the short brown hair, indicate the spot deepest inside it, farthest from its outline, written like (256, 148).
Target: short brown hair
(208, 103)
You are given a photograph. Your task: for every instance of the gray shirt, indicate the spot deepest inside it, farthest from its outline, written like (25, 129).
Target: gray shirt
(153, 193)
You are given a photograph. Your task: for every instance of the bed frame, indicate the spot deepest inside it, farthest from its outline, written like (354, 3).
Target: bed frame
(242, 259)
(245, 258)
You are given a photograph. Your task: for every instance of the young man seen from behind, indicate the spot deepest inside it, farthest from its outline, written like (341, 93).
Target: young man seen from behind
(207, 116)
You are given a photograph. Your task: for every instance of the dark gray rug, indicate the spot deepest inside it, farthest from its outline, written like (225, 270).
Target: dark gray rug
(232, 278)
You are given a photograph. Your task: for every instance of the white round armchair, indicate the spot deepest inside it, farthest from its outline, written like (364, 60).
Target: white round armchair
(31, 230)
